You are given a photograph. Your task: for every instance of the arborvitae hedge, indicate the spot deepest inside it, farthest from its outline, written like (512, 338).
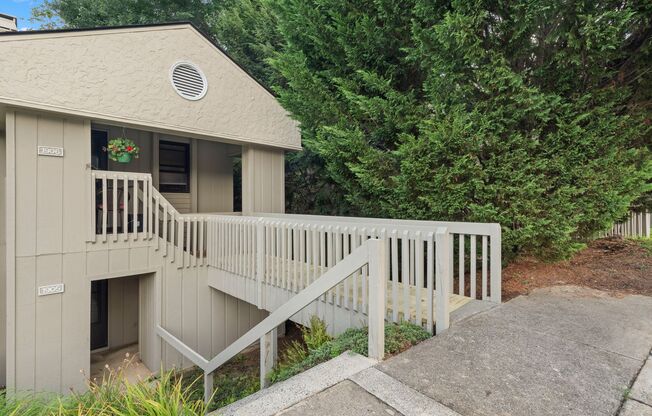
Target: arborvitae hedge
(517, 112)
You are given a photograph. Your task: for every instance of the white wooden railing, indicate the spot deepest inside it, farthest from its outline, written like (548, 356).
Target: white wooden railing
(475, 260)
(368, 270)
(125, 207)
(371, 254)
(636, 225)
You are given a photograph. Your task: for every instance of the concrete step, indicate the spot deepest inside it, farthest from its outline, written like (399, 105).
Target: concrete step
(282, 395)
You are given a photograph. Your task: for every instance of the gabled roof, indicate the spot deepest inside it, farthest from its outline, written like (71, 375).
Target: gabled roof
(122, 74)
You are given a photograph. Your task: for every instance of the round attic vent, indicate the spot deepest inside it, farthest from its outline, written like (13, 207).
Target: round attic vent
(188, 80)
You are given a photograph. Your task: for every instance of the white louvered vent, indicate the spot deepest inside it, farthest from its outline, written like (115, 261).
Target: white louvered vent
(188, 80)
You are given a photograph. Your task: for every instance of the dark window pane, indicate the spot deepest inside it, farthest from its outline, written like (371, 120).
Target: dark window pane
(174, 167)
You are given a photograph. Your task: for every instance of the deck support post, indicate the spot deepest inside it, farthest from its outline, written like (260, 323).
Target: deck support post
(208, 387)
(268, 355)
(442, 281)
(377, 292)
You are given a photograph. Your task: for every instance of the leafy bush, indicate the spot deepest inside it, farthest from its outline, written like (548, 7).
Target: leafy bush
(397, 338)
(170, 394)
(230, 388)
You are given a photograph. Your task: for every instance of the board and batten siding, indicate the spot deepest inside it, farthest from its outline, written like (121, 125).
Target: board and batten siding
(123, 311)
(48, 345)
(48, 336)
(263, 179)
(3, 248)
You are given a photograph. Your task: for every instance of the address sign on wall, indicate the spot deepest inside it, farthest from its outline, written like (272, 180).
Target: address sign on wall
(50, 289)
(50, 151)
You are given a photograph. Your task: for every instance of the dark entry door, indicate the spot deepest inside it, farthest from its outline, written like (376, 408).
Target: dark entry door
(99, 314)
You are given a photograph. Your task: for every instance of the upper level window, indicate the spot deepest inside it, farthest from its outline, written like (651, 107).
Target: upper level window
(174, 167)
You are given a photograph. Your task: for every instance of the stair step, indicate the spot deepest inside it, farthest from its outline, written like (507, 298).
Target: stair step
(282, 395)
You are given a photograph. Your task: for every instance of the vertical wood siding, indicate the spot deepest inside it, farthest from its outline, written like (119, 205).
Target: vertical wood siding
(49, 336)
(123, 311)
(3, 248)
(263, 179)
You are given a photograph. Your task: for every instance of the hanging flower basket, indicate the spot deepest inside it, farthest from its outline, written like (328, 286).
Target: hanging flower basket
(122, 150)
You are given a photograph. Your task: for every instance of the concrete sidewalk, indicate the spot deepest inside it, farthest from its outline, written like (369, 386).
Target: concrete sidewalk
(559, 351)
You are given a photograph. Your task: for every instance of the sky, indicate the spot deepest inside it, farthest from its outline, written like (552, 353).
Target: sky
(22, 9)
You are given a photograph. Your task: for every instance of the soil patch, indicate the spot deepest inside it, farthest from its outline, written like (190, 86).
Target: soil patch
(614, 265)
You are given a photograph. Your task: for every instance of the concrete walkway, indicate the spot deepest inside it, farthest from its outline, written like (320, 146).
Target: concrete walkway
(559, 351)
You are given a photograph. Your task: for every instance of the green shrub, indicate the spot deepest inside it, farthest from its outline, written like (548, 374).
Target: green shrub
(230, 388)
(316, 335)
(170, 394)
(398, 337)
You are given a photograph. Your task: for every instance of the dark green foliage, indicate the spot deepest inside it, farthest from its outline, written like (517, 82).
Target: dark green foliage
(397, 338)
(522, 113)
(93, 13)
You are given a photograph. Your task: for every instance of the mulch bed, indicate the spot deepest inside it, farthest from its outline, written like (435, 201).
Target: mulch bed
(613, 265)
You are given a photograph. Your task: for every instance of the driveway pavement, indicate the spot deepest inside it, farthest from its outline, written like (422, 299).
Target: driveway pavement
(559, 351)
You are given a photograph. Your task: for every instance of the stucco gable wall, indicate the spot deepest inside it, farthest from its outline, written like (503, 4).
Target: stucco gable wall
(123, 75)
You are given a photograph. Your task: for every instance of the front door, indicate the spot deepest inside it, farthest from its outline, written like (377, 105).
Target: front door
(99, 314)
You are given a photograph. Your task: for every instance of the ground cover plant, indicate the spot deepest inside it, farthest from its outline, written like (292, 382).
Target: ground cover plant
(169, 395)
(318, 347)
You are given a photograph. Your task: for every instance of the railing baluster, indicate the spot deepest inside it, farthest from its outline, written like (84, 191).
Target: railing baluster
(460, 266)
(114, 207)
(394, 258)
(157, 235)
(172, 243)
(356, 274)
(337, 257)
(345, 252)
(431, 279)
(484, 267)
(295, 257)
(405, 275)
(473, 255)
(146, 207)
(418, 244)
(200, 225)
(365, 276)
(301, 260)
(150, 190)
(285, 231)
(135, 220)
(125, 209)
(104, 208)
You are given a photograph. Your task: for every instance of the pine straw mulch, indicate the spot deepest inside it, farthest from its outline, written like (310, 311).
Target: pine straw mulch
(613, 265)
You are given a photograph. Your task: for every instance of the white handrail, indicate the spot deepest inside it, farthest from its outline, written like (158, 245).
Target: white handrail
(371, 252)
(115, 197)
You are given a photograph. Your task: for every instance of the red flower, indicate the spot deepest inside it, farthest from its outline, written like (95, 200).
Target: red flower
(129, 148)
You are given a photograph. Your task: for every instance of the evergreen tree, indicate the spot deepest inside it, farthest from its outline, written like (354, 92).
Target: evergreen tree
(517, 112)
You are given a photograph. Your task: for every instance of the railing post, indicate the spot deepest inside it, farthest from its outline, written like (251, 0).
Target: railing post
(377, 292)
(442, 288)
(267, 355)
(208, 387)
(496, 265)
(260, 260)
